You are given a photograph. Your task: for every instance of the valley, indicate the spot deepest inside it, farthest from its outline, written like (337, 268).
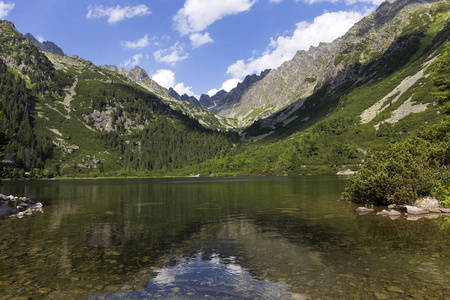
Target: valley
(328, 109)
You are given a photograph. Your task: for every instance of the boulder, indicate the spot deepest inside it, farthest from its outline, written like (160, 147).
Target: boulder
(364, 210)
(414, 210)
(383, 213)
(445, 210)
(427, 203)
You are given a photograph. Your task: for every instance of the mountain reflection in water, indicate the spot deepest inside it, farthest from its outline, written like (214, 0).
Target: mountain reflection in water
(226, 238)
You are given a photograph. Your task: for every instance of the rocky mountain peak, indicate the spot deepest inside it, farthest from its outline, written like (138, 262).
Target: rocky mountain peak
(46, 46)
(138, 74)
(191, 99)
(223, 99)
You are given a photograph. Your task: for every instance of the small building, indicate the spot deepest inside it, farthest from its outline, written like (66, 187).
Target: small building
(9, 164)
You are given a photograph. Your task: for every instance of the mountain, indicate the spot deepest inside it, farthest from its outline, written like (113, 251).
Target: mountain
(375, 40)
(371, 88)
(224, 100)
(329, 108)
(70, 117)
(46, 46)
(186, 104)
(191, 99)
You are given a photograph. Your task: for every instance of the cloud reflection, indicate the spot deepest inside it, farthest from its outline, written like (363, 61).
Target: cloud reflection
(207, 275)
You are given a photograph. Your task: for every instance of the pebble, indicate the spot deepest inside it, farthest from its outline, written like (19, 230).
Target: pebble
(395, 289)
(382, 296)
(110, 288)
(44, 290)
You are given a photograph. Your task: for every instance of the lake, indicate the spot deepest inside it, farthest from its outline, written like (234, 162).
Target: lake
(218, 238)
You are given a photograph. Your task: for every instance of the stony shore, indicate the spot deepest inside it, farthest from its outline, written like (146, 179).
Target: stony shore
(423, 208)
(18, 207)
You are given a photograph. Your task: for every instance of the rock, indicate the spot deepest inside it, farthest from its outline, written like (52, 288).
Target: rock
(435, 210)
(381, 296)
(383, 213)
(392, 206)
(395, 289)
(364, 210)
(414, 210)
(427, 203)
(394, 213)
(346, 172)
(445, 210)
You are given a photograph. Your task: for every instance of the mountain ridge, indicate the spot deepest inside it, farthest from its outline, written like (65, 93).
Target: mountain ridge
(45, 46)
(325, 64)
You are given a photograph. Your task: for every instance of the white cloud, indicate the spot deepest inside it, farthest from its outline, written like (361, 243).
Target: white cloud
(275, 1)
(374, 2)
(118, 13)
(40, 38)
(226, 86)
(166, 78)
(5, 8)
(197, 15)
(325, 28)
(347, 2)
(182, 89)
(134, 61)
(139, 44)
(212, 92)
(198, 39)
(171, 55)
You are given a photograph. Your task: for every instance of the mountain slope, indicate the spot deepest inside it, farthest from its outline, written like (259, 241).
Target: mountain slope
(341, 124)
(183, 103)
(371, 39)
(71, 117)
(46, 46)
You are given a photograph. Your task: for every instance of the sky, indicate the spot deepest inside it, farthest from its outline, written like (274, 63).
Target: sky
(195, 46)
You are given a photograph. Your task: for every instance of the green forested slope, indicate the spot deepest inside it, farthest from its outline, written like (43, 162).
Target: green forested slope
(71, 118)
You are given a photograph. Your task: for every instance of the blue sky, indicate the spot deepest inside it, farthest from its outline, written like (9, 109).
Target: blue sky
(195, 46)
